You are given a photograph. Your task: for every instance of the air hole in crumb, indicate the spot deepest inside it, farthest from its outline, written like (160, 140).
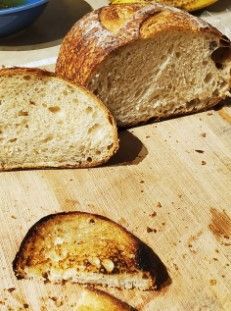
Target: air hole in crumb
(89, 159)
(178, 54)
(208, 78)
(93, 128)
(0, 102)
(109, 147)
(213, 45)
(89, 109)
(48, 138)
(216, 93)
(12, 140)
(98, 152)
(192, 102)
(32, 103)
(54, 109)
(205, 62)
(65, 93)
(23, 113)
(222, 84)
(219, 66)
(220, 56)
(71, 89)
(44, 105)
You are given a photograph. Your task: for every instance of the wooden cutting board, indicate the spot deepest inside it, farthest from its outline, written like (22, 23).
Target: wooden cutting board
(170, 184)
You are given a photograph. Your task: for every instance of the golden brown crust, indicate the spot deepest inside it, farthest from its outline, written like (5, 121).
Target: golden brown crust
(145, 260)
(43, 74)
(21, 70)
(37, 227)
(121, 305)
(103, 31)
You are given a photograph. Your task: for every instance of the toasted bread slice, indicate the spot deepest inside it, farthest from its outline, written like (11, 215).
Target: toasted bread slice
(86, 249)
(147, 61)
(46, 121)
(90, 300)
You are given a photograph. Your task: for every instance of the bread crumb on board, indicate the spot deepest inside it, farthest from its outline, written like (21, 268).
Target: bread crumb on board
(150, 230)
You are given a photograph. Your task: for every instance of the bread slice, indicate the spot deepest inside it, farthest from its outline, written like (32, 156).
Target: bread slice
(86, 249)
(90, 300)
(147, 61)
(46, 121)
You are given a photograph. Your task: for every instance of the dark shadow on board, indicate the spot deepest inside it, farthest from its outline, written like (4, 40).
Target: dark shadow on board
(131, 150)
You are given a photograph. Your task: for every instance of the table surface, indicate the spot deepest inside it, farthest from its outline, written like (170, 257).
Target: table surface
(156, 170)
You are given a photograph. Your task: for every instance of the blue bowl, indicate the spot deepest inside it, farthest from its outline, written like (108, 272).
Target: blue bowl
(16, 18)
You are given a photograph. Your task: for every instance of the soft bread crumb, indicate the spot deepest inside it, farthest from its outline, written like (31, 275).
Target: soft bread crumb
(48, 122)
(171, 74)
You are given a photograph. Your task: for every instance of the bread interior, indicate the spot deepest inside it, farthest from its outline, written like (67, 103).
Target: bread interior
(48, 122)
(176, 72)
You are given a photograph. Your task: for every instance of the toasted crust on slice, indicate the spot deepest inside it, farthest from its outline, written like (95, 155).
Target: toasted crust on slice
(147, 61)
(46, 121)
(86, 249)
(96, 300)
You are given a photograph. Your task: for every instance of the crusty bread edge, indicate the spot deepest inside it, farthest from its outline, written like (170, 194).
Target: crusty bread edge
(40, 73)
(90, 46)
(141, 248)
(119, 303)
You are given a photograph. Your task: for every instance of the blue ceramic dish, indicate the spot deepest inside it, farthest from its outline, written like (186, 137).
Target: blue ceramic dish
(16, 18)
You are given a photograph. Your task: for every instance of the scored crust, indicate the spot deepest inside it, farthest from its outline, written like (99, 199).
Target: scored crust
(103, 31)
(113, 254)
(44, 74)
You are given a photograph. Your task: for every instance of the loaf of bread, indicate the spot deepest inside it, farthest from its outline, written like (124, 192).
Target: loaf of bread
(147, 61)
(86, 249)
(46, 121)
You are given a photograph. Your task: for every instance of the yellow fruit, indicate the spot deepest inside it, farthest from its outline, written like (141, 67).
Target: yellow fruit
(188, 5)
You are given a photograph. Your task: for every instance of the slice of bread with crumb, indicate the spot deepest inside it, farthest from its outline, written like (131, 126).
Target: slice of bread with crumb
(147, 61)
(46, 121)
(86, 249)
(94, 300)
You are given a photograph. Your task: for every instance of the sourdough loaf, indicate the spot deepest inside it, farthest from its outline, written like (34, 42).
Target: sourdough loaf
(87, 249)
(147, 61)
(46, 121)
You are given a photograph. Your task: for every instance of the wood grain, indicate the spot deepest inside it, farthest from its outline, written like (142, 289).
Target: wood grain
(190, 203)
